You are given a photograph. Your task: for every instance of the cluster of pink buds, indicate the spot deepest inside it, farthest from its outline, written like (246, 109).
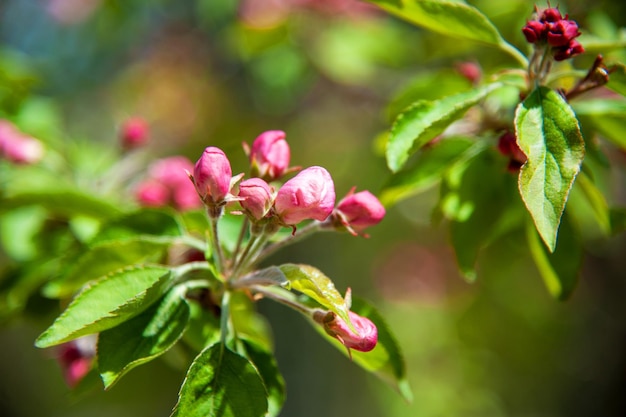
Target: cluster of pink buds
(167, 184)
(309, 195)
(556, 31)
(507, 145)
(17, 147)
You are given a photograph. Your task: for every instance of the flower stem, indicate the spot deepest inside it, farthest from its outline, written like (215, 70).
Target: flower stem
(307, 230)
(218, 258)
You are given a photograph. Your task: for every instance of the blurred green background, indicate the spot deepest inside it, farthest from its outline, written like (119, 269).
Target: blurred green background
(219, 72)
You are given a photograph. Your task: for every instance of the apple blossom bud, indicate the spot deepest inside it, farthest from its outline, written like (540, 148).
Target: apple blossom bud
(212, 176)
(561, 33)
(152, 194)
(568, 51)
(76, 359)
(308, 195)
(257, 197)
(551, 14)
(363, 340)
(359, 211)
(270, 155)
(134, 133)
(17, 147)
(534, 31)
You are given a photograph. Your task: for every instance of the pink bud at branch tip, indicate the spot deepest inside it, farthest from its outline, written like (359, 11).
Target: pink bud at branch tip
(365, 338)
(308, 195)
(212, 176)
(134, 133)
(270, 155)
(359, 211)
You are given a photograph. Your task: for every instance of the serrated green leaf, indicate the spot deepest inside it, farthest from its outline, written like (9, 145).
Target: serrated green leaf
(265, 363)
(451, 18)
(427, 170)
(108, 302)
(145, 222)
(142, 338)
(560, 269)
(65, 202)
(105, 258)
(424, 120)
(221, 383)
(313, 283)
(385, 360)
(548, 133)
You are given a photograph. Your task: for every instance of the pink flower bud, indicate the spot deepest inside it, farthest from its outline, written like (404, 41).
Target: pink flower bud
(168, 183)
(551, 15)
(361, 210)
(134, 133)
(212, 176)
(308, 195)
(257, 197)
(534, 31)
(270, 155)
(17, 147)
(152, 194)
(567, 51)
(562, 32)
(363, 340)
(76, 359)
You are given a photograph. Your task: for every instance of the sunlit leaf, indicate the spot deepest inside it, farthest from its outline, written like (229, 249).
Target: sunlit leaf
(425, 172)
(221, 383)
(313, 283)
(450, 18)
(265, 363)
(108, 302)
(105, 258)
(142, 338)
(424, 120)
(548, 133)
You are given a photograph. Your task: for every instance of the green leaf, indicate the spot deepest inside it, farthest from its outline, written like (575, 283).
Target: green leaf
(105, 258)
(428, 169)
(248, 323)
(608, 117)
(488, 208)
(314, 284)
(450, 18)
(424, 120)
(588, 203)
(108, 302)
(385, 360)
(64, 202)
(548, 133)
(221, 383)
(560, 269)
(145, 222)
(266, 365)
(143, 337)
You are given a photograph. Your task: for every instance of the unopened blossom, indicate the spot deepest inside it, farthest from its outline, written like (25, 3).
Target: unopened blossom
(269, 155)
(308, 195)
(167, 183)
(363, 340)
(212, 175)
(257, 197)
(134, 133)
(555, 31)
(76, 359)
(507, 145)
(357, 211)
(17, 147)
